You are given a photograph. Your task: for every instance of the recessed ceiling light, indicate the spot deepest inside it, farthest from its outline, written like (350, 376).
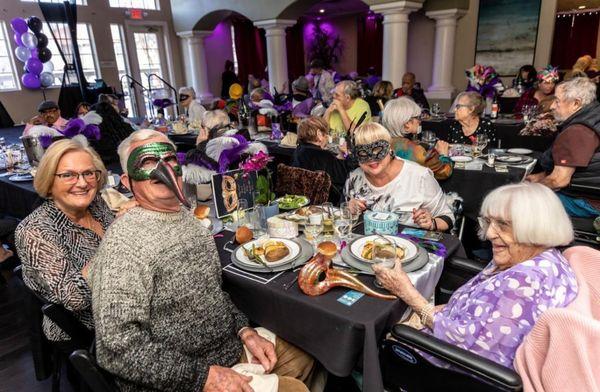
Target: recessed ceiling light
(323, 10)
(581, 7)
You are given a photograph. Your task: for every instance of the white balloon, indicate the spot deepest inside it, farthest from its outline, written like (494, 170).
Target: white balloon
(48, 67)
(22, 53)
(46, 79)
(29, 40)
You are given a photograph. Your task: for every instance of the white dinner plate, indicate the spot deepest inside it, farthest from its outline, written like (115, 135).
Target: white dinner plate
(356, 247)
(291, 245)
(509, 159)
(461, 158)
(520, 151)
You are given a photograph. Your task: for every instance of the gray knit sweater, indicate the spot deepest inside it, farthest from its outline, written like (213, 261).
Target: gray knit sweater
(161, 315)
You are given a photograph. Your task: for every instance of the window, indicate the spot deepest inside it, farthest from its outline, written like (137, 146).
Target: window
(118, 39)
(143, 4)
(8, 78)
(78, 2)
(87, 51)
(148, 55)
(235, 60)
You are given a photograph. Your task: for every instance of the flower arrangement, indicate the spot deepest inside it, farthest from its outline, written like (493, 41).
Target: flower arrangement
(484, 80)
(258, 163)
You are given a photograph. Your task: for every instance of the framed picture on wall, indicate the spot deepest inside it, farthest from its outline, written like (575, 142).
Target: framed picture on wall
(507, 34)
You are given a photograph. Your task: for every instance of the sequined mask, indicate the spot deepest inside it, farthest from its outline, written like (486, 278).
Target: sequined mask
(372, 152)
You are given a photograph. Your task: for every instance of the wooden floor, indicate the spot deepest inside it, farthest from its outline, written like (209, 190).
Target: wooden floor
(16, 365)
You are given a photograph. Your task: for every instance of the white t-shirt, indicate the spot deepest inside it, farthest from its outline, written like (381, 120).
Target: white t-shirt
(195, 111)
(413, 188)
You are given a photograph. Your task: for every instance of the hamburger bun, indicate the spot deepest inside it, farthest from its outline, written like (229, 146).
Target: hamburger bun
(201, 211)
(327, 249)
(243, 235)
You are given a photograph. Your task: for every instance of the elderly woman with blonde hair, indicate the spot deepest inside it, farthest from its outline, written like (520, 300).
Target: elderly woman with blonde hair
(56, 241)
(402, 117)
(492, 313)
(385, 182)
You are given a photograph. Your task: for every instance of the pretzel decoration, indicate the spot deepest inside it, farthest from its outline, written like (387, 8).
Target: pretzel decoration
(230, 198)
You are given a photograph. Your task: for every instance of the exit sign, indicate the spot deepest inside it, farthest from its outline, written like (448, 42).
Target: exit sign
(136, 14)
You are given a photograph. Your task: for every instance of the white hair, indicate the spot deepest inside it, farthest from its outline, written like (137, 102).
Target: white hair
(350, 88)
(580, 88)
(214, 119)
(143, 134)
(397, 112)
(536, 214)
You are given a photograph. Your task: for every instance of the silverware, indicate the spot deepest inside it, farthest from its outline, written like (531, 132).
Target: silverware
(290, 284)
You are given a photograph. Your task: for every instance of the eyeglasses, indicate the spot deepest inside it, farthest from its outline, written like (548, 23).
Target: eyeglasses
(460, 105)
(89, 176)
(499, 224)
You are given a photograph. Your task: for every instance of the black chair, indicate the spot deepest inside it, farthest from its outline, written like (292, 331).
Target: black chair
(405, 369)
(97, 379)
(81, 337)
(457, 271)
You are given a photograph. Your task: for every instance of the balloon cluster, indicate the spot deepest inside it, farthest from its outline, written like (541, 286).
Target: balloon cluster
(32, 49)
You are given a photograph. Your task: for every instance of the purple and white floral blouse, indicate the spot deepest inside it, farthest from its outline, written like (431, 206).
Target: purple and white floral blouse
(491, 314)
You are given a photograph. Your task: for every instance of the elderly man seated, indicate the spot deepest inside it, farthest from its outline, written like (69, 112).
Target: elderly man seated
(49, 116)
(347, 108)
(187, 99)
(163, 322)
(412, 89)
(573, 161)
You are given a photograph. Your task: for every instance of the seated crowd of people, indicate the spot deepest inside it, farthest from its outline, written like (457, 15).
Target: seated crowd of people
(122, 276)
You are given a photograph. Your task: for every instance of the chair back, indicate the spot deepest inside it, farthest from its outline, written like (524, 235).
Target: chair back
(296, 181)
(41, 349)
(81, 337)
(97, 379)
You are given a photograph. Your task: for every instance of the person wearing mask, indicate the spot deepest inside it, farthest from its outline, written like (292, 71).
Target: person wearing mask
(193, 108)
(546, 82)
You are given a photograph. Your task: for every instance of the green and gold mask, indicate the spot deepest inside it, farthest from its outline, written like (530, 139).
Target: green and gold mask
(143, 160)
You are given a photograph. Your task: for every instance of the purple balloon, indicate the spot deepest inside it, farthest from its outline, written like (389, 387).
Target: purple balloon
(18, 40)
(31, 81)
(19, 25)
(34, 52)
(34, 65)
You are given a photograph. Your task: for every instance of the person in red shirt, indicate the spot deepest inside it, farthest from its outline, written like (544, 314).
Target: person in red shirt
(572, 164)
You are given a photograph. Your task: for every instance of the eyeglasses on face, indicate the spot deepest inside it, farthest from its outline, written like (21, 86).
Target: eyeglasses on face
(460, 105)
(89, 176)
(498, 224)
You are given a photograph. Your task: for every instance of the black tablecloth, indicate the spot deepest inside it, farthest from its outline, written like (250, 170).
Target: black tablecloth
(508, 133)
(474, 185)
(338, 336)
(17, 199)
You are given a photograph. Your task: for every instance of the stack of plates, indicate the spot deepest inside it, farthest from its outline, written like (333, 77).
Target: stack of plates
(414, 259)
(300, 252)
(514, 159)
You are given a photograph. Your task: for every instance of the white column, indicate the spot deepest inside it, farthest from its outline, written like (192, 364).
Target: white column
(276, 51)
(395, 37)
(443, 55)
(194, 42)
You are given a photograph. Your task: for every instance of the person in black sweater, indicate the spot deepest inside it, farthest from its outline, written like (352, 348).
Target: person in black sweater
(228, 77)
(313, 136)
(113, 130)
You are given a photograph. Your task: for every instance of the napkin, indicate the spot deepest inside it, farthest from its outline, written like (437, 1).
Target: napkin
(113, 198)
(260, 380)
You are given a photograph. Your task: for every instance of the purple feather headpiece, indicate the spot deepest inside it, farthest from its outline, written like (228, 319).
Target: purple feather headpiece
(77, 126)
(231, 155)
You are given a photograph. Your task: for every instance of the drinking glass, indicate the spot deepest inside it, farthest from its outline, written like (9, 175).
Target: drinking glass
(435, 110)
(481, 141)
(314, 226)
(259, 220)
(429, 138)
(189, 192)
(342, 223)
(242, 217)
(384, 254)
(355, 217)
(328, 214)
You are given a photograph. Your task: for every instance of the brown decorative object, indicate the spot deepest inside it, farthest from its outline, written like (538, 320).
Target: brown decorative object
(296, 181)
(309, 282)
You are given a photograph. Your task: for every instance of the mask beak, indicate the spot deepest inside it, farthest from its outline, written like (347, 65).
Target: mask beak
(164, 173)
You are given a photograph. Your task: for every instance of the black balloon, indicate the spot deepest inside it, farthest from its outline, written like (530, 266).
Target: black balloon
(42, 40)
(35, 24)
(44, 54)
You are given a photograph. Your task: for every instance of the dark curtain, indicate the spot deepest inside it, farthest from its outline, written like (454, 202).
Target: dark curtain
(294, 42)
(369, 42)
(250, 47)
(574, 36)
